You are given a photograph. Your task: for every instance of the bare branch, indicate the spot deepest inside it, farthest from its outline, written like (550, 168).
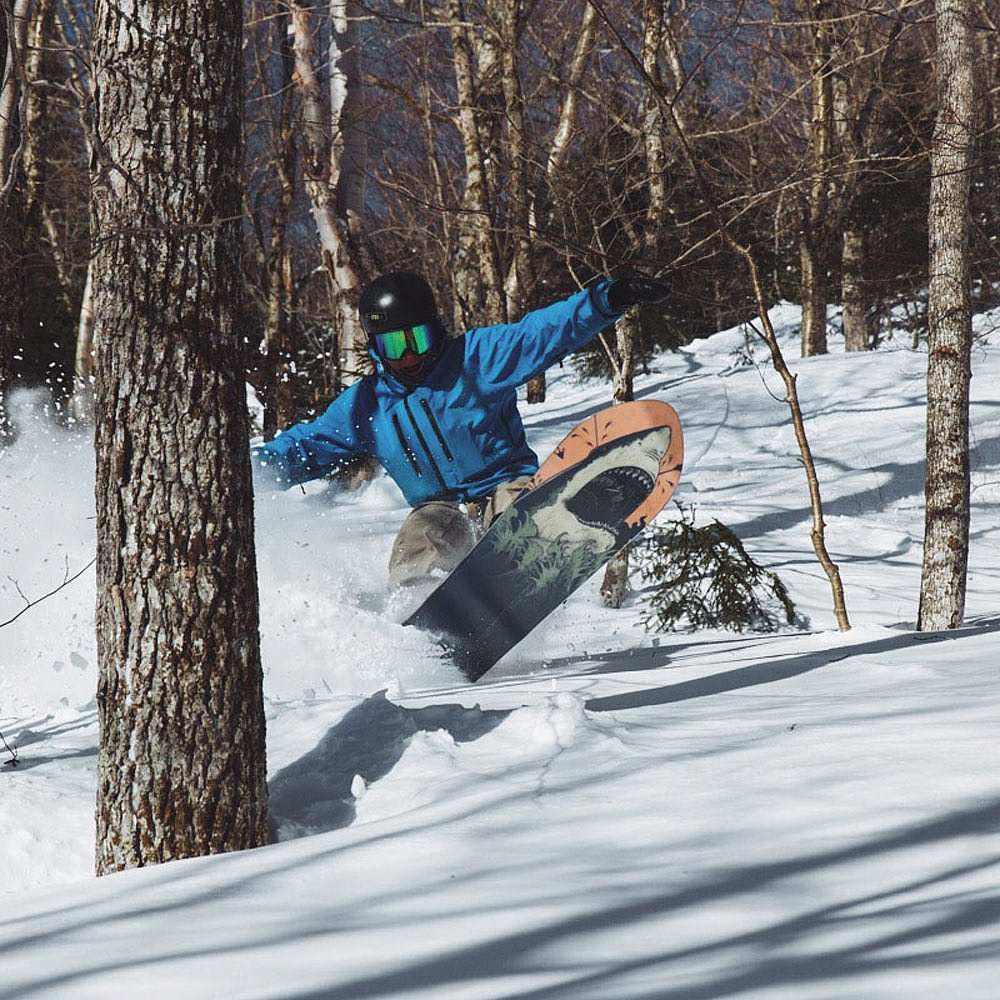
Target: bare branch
(12, 750)
(28, 604)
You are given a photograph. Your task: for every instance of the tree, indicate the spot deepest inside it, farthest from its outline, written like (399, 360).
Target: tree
(748, 255)
(627, 328)
(814, 236)
(14, 20)
(278, 349)
(476, 267)
(181, 769)
(334, 153)
(949, 334)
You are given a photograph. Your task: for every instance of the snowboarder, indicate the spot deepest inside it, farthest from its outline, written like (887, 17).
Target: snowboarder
(440, 414)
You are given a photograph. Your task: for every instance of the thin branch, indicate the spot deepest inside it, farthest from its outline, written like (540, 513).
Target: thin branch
(12, 750)
(746, 253)
(28, 604)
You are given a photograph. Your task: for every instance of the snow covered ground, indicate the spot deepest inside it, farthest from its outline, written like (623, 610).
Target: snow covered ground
(607, 814)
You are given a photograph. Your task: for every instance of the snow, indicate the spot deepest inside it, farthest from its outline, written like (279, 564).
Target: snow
(608, 813)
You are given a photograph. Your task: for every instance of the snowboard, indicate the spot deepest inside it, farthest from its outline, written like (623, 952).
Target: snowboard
(601, 486)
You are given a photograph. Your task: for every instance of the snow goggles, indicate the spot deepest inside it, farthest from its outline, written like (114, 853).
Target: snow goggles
(392, 345)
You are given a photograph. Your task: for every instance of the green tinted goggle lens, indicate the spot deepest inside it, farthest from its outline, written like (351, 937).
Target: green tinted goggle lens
(393, 344)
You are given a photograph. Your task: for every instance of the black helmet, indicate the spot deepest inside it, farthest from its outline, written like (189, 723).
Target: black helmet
(396, 300)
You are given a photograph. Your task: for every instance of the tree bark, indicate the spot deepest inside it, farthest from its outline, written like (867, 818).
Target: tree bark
(348, 165)
(475, 265)
(520, 280)
(13, 36)
(857, 336)
(813, 249)
(181, 769)
(12, 133)
(81, 404)
(319, 167)
(279, 344)
(555, 161)
(628, 328)
(949, 337)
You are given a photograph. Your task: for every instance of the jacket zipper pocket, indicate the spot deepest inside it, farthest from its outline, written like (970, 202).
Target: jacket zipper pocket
(437, 430)
(423, 444)
(514, 439)
(406, 447)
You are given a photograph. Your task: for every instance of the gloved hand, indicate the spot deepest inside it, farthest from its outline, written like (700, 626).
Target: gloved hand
(627, 292)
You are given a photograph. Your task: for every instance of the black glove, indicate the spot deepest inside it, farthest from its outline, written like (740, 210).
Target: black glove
(634, 291)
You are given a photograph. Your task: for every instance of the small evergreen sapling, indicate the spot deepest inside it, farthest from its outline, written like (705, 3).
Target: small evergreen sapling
(703, 577)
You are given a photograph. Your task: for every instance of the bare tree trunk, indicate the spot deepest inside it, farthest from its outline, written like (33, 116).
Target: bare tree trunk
(348, 164)
(559, 149)
(13, 35)
(181, 770)
(520, 283)
(628, 328)
(949, 336)
(279, 345)
(12, 132)
(813, 249)
(672, 114)
(81, 404)
(857, 93)
(39, 32)
(614, 587)
(857, 336)
(521, 279)
(318, 159)
(475, 267)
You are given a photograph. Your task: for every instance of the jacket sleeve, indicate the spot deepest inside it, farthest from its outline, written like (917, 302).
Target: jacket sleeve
(310, 450)
(510, 355)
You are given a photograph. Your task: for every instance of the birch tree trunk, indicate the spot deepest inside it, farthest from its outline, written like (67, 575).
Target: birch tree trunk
(279, 346)
(628, 327)
(348, 164)
(520, 279)
(320, 170)
(476, 273)
(16, 17)
(813, 250)
(35, 104)
(949, 338)
(181, 769)
(539, 207)
(13, 35)
(81, 404)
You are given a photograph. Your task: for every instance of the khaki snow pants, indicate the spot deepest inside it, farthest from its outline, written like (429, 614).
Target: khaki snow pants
(437, 536)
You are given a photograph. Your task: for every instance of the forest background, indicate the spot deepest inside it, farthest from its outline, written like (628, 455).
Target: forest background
(511, 151)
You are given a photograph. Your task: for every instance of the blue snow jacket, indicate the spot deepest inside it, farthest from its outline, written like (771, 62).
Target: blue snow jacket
(458, 435)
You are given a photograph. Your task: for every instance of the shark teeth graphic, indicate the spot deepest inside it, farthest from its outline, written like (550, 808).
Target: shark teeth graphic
(594, 502)
(611, 496)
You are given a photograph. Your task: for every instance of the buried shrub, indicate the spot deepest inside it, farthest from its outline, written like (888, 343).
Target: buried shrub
(704, 578)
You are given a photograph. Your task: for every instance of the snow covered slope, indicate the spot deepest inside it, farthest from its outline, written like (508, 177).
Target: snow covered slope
(607, 814)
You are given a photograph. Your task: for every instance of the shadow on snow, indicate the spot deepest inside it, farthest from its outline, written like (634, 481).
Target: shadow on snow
(313, 795)
(765, 672)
